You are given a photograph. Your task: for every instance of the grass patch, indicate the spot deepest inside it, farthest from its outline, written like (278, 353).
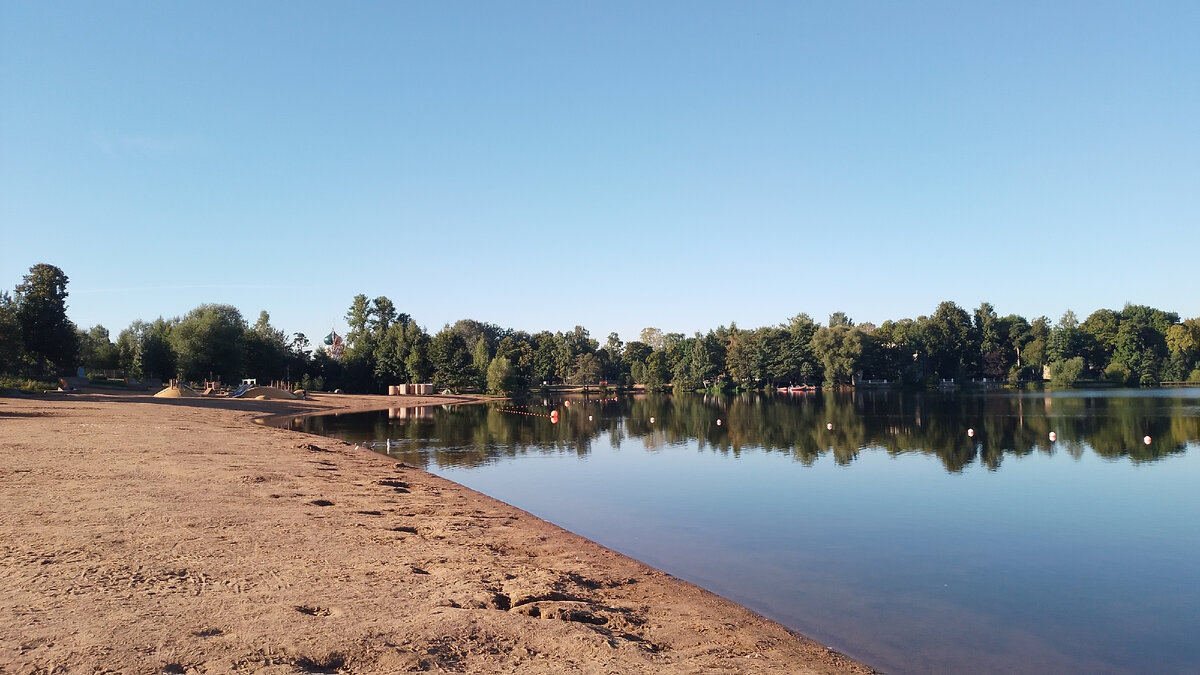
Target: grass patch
(25, 384)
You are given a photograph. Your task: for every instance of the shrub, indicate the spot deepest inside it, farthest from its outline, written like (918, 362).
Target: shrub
(1117, 373)
(1065, 373)
(22, 384)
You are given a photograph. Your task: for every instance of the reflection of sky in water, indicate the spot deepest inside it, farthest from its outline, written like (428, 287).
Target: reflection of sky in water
(1051, 563)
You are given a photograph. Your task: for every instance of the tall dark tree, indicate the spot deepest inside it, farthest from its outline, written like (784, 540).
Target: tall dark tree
(97, 351)
(948, 338)
(145, 349)
(417, 364)
(357, 318)
(11, 347)
(545, 362)
(1101, 328)
(265, 351)
(1066, 339)
(46, 333)
(1141, 344)
(453, 365)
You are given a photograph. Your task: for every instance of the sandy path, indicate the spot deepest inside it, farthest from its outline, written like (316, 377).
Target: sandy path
(142, 535)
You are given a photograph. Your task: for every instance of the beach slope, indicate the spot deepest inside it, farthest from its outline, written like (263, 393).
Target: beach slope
(176, 535)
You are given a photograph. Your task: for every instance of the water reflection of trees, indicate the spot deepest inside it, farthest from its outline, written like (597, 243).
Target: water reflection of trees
(1111, 426)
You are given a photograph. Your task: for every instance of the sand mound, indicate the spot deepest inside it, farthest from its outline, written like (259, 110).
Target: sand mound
(182, 391)
(267, 393)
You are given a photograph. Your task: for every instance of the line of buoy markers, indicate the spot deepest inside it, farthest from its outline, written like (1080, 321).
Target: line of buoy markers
(553, 415)
(526, 412)
(1054, 437)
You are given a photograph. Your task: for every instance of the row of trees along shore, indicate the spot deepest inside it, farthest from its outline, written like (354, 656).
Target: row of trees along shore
(1136, 345)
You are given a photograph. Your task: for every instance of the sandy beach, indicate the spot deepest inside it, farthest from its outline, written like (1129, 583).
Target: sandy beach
(147, 535)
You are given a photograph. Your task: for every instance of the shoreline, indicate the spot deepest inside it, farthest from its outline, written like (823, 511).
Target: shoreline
(178, 535)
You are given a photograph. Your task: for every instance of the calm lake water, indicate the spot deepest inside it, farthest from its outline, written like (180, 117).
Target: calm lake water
(894, 537)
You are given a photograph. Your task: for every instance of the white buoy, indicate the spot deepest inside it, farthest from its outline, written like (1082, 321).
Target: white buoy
(718, 422)
(589, 418)
(1146, 440)
(1053, 437)
(971, 432)
(651, 420)
(829, 426)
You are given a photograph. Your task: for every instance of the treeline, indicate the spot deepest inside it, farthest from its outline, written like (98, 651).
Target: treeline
(38, 340)
(1137, 345)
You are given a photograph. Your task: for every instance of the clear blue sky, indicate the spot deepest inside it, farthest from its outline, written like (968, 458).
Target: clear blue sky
(614, 165)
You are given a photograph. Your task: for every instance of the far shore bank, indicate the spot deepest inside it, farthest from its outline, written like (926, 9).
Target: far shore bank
(175, 535)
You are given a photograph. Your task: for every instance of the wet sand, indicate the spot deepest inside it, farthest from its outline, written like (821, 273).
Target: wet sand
(176, 535)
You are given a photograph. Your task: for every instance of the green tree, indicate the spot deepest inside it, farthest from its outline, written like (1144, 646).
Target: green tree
(390, 353)
(417, 363)
(653, 337)
(382, 315)
(264, 350)
(453, 367)
(739, 356)
(299, 358)
(772, 356)
(1184, 338)
(1066, 339)
(1141, 343)
(482, 358)
(517, 348)
(545, 363)
(791, 356)
(358, 317)
(839, 347)
(97, 351)
(391, 338)
(996, 355)
(1101, 328)
(46, 333)
(327, 372)
(654, 372)
(948, 339)
(636, 352)
(145, 349)
(840, 319)
(1183, 345)
(586, 369)
(501, 377)
(209, 343)
(11, 348)
(902, 344)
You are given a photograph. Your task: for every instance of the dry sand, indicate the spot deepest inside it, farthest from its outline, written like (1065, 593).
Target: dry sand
(145, 535)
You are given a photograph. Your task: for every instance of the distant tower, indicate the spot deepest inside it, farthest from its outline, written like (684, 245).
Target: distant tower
(337, 346)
